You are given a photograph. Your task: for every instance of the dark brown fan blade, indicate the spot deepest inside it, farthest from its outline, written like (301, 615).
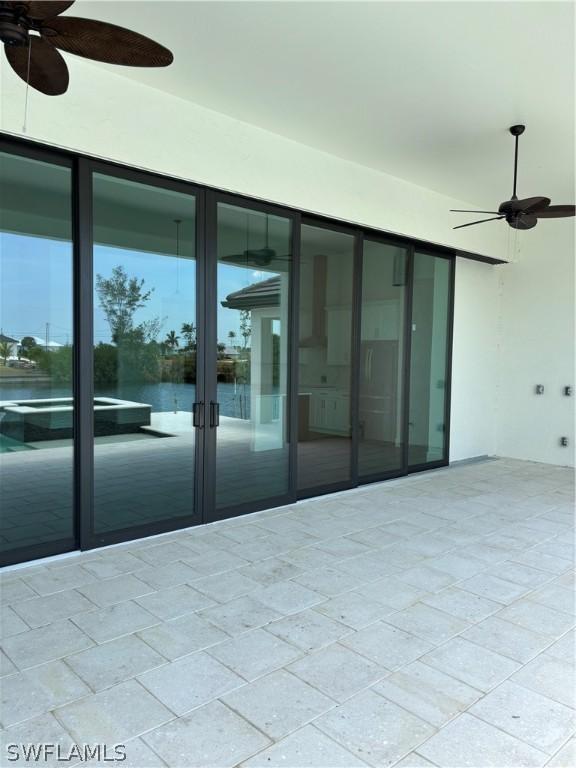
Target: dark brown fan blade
(461, 210)
(47, 10)
(556, 211)
(528, 205)
(105, 42)
(48, 70)
(496, 218)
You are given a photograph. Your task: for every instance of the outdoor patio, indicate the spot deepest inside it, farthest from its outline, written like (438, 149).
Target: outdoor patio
(424, 621)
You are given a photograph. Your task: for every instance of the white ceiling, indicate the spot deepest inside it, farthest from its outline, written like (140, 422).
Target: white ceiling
(421, 90)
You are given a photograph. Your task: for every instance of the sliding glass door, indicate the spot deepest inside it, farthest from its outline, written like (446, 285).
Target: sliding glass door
(325, 358)
(429, 359)
(146, 336)
(247, 360)
(382, 371)
(172, 355)
(37, 394)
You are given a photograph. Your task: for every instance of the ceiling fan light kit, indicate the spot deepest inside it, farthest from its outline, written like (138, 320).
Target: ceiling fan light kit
(34, 33)
(521, 214)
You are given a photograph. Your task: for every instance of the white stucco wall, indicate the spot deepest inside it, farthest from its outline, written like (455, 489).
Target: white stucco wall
(536, 346)
(513, 324)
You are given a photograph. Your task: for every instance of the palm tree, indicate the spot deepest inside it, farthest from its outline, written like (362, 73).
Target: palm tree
(172, 341)
(232, 336)
(5, 350)
(189, 333)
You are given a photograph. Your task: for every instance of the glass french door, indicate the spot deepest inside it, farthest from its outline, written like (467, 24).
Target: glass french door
(147, 336)
(247, 357)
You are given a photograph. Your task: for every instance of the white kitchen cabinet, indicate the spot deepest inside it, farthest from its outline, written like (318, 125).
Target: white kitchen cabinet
(339, 332)
(380, 321)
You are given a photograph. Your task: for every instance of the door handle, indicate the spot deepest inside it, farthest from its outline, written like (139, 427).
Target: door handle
(214, 414)
(198, 415)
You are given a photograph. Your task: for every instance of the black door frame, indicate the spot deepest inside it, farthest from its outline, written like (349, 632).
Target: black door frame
(82, 166)
(213, 199)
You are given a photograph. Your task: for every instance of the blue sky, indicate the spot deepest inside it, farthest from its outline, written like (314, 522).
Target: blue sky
(36, 288)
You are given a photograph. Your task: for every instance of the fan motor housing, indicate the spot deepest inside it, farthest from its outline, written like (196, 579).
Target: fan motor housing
(13, 26)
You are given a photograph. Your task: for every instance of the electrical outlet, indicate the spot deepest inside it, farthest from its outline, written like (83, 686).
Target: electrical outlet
(563, 441)
(539, 389)
(568, 391)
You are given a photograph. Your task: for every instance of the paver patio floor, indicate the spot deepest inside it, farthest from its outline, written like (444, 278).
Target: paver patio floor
(427, 621)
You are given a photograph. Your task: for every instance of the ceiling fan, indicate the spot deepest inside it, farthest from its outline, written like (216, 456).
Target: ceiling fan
(33, 31)
(522, 214)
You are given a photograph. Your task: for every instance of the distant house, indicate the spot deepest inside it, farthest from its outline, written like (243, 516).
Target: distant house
(14, 343)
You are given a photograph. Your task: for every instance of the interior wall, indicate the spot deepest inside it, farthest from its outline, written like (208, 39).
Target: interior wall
(536, 346)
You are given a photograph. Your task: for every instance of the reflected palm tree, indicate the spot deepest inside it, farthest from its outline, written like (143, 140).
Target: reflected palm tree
(172, 340)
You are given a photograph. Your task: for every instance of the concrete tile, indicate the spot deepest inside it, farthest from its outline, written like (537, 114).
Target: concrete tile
(113, 564)
(493, 588)
(45, 644)
(549, 677)
(114, 661)
(462, 604)
(414, 760)
(393, 593)
(466, 661)
(255, 653)
(306, 748)
(182, 636)
(138, 755)
(564, 649)
(288, 597)
(538, 618)
(175, 601)
(427, 622)
(211, 736)
(223, 587)
(40, 611)
(386, 645)
(42, 730)
(6, 666)
(271, 571)
(162, 554)
(240, 615)
(507, 639)
(521, 574)
(37, 691)
(565, 757)
(115, 590)
(376, 730)
(60, 579)
(425, 577)
(116, 620)
(278, 703)
(428, 693)
(353, 609)
(189, 682)
(529, 716)
(308, 630)
(114, 715)
(10, 622)
(329, 581)
(461, 742)
(337, 671)
(555, 596)
(170, 575)
(15, 591)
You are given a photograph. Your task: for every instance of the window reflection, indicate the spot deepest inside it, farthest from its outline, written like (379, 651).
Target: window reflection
(36, 343)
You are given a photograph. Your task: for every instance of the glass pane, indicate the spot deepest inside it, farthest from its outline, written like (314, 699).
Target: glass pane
(36, 337)
(254, 265)
(381, 358)
(324, 374)
(428, 358)
(144, 353)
